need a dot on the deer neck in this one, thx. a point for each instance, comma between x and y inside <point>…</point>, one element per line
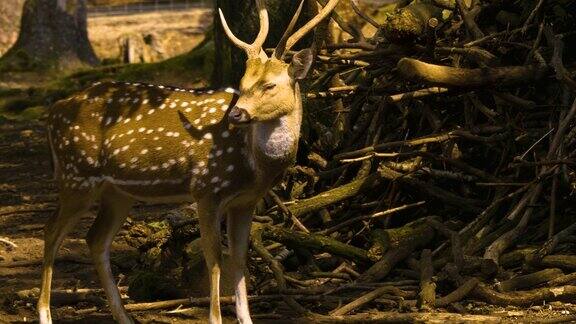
<point>276,141</point>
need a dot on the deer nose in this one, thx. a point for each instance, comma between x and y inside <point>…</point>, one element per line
<point>238,116</point>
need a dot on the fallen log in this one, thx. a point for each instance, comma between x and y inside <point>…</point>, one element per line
<point>441,75</point>
<point>421,234</point>
<point>560,261</point>
<point>524,298</point>
<point>395,317</point>
<point>529,280</point>
<point>362,300</point>
<point>458,294</point>
<point>314,241</point>
<point>563,280</point>
<point>427,294</point>
<point>335,195</point>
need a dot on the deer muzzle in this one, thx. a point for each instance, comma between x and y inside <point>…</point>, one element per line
<point>239,116</point>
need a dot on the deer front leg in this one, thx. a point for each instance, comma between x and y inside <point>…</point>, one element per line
<point>209,218</point>
<point>238,229</point>
<point>114,208</point>
<point>71,208</point>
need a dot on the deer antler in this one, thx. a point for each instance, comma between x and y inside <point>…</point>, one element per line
<point>286,44</point>
<point>280,48</point>
<point>255,49</point>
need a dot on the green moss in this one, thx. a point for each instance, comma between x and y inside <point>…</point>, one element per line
<point>21,61</point>
<point>10,92</point>
<point>31,113</point>
<point>192,66</point>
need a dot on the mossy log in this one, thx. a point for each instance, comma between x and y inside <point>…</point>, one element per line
<point>472,265</point>
<point>64,297</point>
<point>525,298</point>
<point>563,280</point>
<point>364,299</point>
<point>427,294</point>
<point>419,233</point>
<point>560,261</point>
<point>515,258</point>
<point>385,240</point>
<point>530,280</point>
<point>315,241</point>
<point>334,195</point>
<point>411,21</point>
<point>441,75</point>
<point>458,294</point>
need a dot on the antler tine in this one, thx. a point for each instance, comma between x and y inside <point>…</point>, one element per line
<point>230,35</point>
<point>254,49</point>
<point>279,50</point>
<point>264,26</point>
<point>324,12</point>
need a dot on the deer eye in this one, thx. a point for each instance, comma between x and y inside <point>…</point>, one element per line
<point>269,86</point>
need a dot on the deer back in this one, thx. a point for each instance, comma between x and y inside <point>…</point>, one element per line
<point>149,140</point>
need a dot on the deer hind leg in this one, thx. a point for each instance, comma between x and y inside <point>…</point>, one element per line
<point>71,208</point>
<point>238,228</point>
<point>112,213</point>
<point>209,218</point>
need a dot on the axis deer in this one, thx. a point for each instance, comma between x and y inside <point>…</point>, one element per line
<point>118,143</point>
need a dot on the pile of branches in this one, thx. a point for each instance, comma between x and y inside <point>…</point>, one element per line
<point>437,165</point>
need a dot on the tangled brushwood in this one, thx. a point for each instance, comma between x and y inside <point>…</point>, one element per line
<point>436,165</point>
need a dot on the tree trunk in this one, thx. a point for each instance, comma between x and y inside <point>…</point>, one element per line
<point>242,18</point>
<point>10,13</point>
<point>53,35</point>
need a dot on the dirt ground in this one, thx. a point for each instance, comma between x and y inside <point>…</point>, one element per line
<point>27,198</point>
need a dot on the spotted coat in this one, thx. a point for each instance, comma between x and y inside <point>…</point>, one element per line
<point>147,140</point>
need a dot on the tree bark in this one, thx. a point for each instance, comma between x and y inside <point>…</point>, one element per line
<point>53,35</point>
<point>10,14</point>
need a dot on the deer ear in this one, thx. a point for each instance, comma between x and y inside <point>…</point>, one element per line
<point>301,63</point>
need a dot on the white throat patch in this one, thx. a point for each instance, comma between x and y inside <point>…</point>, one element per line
<point>275,140</point>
